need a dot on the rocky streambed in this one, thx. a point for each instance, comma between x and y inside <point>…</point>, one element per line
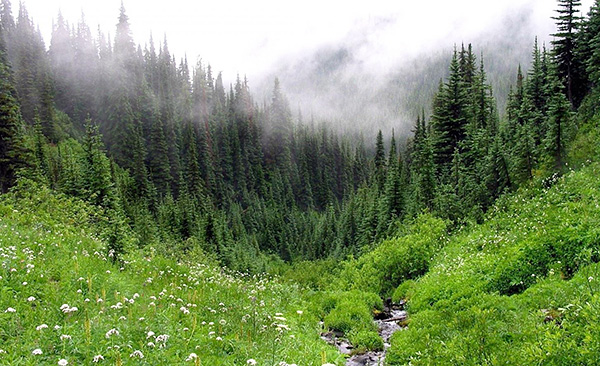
<point>388,322</point>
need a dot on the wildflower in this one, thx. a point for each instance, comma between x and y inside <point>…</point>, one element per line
<point>64,336</point>
<point>149,334</point>
<point>222,322</point>
<point>299,312</point>
<point>192,357</point>
<point>36,352</point>
<point>151,344</point>
<point>137,354</point>
<point>98,358</point>
<point>31,298</point>
<point>10,310</point>
<point>112,332</point>
<point>219,339</point>
<point>41,326</point>
<point>63,362</point>
<point>162,338</point>
<point>184,310</point>
<point>2,351</point>
<point>251,362</point>
<point>590,279</point>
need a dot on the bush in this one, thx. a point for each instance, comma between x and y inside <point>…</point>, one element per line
<point>404,291</point>
<point>397,260</point>
<point>348,316</point>
<point>365,340</point>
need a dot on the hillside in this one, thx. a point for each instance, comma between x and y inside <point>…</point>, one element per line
<point>151,215</point>
<point>63,298</point>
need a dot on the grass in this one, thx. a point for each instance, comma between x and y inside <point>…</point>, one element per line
<point>521,289</point>
<point>63,298</point>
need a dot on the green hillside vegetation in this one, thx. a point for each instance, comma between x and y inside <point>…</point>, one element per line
<point>150,216</point>
<point>63,297</point>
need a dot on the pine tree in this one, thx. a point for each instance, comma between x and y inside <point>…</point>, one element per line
<point>379,161</point>
<point>97,176</point>
<point>560,126</point>
<point>158,157</point>
<point>451,115</point>
<point>422,168</point>
<point>13,151</point>
<point>590,44</point>
<point>570,67</point>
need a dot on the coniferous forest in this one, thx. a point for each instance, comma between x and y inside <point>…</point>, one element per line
<point>179,220</point>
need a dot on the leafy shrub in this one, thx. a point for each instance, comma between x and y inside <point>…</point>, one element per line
<point>366,340</point>
<point>397,260</point>
<point>404,291</point>
<point>348,316</point>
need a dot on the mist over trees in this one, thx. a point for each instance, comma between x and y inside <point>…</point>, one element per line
<point>170,152</point>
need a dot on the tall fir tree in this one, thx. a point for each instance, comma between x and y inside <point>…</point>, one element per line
<point>570,68</point>
<point>13,150</point>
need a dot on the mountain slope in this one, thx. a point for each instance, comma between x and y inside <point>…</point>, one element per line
<point>61,297</point>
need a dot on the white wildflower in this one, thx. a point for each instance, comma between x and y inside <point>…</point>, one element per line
<point>251,362</point>
<point>63,362</point>
<point>112,332</point>
<point>98,358</point>
<point>31,298</point>
<point>136,354</point>
<point>36,352</point>
<point>192,357</point>
<point>162,338</point>
<point>10,310</point>
<point>41,326</point>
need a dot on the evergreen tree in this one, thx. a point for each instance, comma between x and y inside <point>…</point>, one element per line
<point>451,115</point>
<point>590,44</point>
<point>422,169</point>
<point>97,176</point>
<point>569,66</point>
<point>13,151</point>
<point>560,126</point>
<point>379,161</point>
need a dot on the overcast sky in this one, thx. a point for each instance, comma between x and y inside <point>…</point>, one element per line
<point>247,36</point>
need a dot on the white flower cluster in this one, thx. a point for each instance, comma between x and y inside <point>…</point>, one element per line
<point>65,308</point>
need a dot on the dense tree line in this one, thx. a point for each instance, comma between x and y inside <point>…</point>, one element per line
<point>170,152</point>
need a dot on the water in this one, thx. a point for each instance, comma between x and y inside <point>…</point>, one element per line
<point>388,325</point>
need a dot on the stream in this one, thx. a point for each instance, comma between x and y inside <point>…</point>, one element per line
<point>387,323</point>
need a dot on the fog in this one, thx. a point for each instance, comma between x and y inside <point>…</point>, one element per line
<point>372,63</point>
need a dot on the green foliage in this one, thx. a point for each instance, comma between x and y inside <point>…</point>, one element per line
<point>59,280</point>
<point>404,292</point>
<point>496,289</point>
<point>396,260</point>
<point>365,340</point>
